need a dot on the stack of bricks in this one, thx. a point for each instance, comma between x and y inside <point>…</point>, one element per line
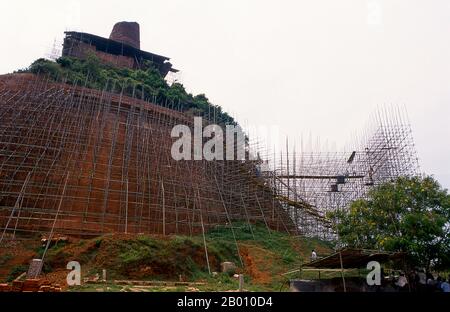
<point>5,287</point>
<point>30,285</point>
<point>17,286</point>
<point>50,288</point>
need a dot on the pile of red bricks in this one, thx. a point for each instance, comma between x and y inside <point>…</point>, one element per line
<point>5,288</point>
<point>30,285</point>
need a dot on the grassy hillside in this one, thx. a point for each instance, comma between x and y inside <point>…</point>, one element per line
<point>167,258</point>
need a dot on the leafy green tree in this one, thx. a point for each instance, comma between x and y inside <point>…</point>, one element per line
<point>45,67</point>
<point>91,67</point>
<point>411,215</point>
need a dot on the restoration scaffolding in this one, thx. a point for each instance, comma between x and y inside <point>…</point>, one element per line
<point>311,184</point>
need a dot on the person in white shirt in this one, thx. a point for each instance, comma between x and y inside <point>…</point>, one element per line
<point>402,281</point>
<point>313,255</point>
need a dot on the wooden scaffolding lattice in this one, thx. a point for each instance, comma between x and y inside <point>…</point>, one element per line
<point>122,176</point>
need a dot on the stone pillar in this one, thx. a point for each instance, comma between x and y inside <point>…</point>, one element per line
<point>35,268</point>
<point>241,282</point>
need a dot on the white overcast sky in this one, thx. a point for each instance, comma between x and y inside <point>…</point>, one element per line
<point>315,67</point>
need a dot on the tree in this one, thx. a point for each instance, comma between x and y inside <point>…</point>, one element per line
<point>411,215</point>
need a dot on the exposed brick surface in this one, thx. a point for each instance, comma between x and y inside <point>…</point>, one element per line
<point>126,32</point>
<point>82,50</point>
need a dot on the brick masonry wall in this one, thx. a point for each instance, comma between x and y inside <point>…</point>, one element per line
<point>82,50</point>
